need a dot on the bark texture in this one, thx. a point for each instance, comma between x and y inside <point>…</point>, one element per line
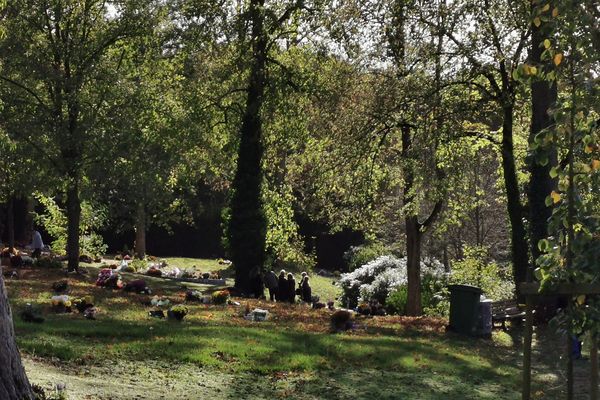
<point>543,96</point>
<point>248,226</point>
<point>73,219</point>
<point>140,231</point>
<point>519,244</point>
<point>14,384</point>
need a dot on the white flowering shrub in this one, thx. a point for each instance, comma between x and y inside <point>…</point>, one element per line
<point>376,279</point>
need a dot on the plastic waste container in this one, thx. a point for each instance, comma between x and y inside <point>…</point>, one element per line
<point>464,308</point>
<point>484,319</point>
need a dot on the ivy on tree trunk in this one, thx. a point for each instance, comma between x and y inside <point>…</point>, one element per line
<point>248,226</point>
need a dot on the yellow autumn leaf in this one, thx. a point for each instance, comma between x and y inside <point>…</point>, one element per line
<point>555,197</point>
<point>526,69</point>
<point>558,59</point>
<point>555,12</point>
<point>546,8</point>
<point>533,70</point>
<point>537,22</point>
<point>581,299</point>
<point>547,43</point>
<point>595,165</point>
<point>588,149</point>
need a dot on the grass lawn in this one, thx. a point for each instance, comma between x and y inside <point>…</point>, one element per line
<point>216,353</point>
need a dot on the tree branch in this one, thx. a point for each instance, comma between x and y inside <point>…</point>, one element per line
<point>25,88</point>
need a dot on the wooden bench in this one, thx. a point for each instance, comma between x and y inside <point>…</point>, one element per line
<point>506,310</point>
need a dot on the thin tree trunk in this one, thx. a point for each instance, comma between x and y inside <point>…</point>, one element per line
<point>10,222</point>
<point>413,266</point>
<point>140,231</point>
<point>73,219</point>
<point>30,212</point>
<point>519,246</point>
<point>594,367</point>
<point>14,384</point>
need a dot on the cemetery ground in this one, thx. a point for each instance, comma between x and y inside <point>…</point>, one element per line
<point>217,354</point>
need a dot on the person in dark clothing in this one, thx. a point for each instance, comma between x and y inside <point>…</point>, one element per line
<point>291,285</point>
<point>272,284</point>
<point>282,288</point>
<point>306,291</point>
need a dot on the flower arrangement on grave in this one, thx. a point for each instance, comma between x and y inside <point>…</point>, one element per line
<point>193,295</point>
<point>177,312</point>
<point>152,271</point>
<point>220,297</point>
<point>61,304</point>
<point>82,304</point>
<point>160,301</point>
<point>108,278</point>
<point>364,309</point>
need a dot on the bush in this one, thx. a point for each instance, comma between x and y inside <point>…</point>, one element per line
<point>434,297</point>
<point>376,279</point>
<point>357,256</point>
<point>54,221</point>
<point>474,269</point>
<point>138,265</point>
<point>396,301</point>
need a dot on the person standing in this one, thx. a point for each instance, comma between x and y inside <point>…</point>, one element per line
<point>291,288</point>
<point>282,288</point>
<point>306,291</point>
<point>36,244</point>
<point>272,284</point>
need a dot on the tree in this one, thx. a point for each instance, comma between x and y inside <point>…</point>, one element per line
<point>56,55</point>
<point>544,94</point>
<point>14,384</point>
<point>491,36</point>
<point>247,225</point>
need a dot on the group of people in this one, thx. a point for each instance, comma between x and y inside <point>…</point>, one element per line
<point>283,288</point>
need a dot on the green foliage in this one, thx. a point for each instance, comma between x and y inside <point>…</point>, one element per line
<point>357,256</point>
<point>397,300</point>
<point>571,251</point>
<point>434,297</point>
<point>139,265</point>
<point>54,221</point>
<point>475,269</point>
<point>285,247</point>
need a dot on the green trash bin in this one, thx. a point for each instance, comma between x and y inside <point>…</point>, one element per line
<point>464,308</point>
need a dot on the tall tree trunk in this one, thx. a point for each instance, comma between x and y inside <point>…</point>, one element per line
<point>140,231</point>
<point>73,219</point>
<point>30,208</point>
<point>248,226</point>
<point>543,96</point>
<point>14,384</point>
<point>413,266</point>
<point>520,258</point>
<point>10,222</point>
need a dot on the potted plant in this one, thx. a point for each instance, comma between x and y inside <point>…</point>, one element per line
<point>177,312</point>
<point>220,297</point>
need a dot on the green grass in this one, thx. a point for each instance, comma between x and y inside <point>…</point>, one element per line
<point>199,264</point>
<point>289,356</point>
